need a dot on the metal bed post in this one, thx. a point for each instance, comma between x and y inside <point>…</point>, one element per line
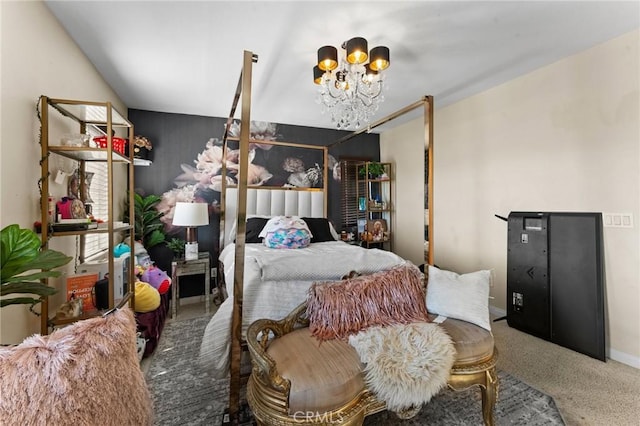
<point>238,280</point>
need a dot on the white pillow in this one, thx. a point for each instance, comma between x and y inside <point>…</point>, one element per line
<point>464,297</point>
<point>333,231</point>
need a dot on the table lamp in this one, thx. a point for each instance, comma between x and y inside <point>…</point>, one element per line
<point>191,215</point>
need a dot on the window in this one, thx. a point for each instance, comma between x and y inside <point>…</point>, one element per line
<point>97,196</point>
<point>96,179</point>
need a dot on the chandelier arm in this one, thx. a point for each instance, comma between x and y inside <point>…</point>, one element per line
<point>368,94</point>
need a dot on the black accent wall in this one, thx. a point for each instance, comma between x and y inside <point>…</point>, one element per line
<point>178,139</point>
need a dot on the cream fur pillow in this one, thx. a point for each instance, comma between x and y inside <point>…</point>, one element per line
<point>84,374</point>
<point>464,297</point>
<point>405,365</point>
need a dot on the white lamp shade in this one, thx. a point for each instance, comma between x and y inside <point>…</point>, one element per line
<point>191,214</point>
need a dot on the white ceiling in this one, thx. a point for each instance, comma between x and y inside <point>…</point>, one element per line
<point>186,57</point>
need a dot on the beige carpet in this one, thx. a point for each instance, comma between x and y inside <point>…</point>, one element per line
<point>587,391</point>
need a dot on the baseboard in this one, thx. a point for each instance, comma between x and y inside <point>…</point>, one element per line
<point>625,358</point>
<point>622,357</point>
<point>191,300</point>
<point>497,312</point>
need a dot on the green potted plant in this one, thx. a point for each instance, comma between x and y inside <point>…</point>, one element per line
<point>149,229</point>
<point>177,246</point>
<point>374,169</point>
<point>23,264</point>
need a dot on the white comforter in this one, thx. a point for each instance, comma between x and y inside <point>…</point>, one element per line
<point>275,282</point>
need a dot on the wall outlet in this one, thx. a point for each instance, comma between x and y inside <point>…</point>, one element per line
<point>617,220</point>
<point>214,273</point>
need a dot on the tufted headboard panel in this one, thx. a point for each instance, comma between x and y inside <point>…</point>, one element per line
<point>272,202</point>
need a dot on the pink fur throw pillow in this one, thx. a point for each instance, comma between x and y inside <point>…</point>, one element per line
<point>341,308</point>
<point>86,373</point>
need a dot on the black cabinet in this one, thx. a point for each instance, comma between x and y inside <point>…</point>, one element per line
<point>555,278</point>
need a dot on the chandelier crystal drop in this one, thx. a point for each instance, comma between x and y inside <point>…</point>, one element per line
<point>349,88</point>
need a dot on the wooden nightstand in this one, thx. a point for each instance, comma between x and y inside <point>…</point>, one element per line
<point>181,267</point>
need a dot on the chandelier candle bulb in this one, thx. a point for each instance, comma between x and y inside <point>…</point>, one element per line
<point>357,50</point>
<point>317,75</point>
<point>327,58</point>
<point>379,58</point>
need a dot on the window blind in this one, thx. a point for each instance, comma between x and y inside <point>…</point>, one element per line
<point>97,179</point>
<point>97,171</point>
<point>349,194</point>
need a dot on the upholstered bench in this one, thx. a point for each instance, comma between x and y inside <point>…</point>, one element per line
<point>298,380</point>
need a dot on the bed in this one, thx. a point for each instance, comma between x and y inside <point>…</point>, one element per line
<point>251,298</point>
<point>275,282</point>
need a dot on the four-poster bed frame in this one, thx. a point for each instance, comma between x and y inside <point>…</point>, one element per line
<point>243,92</point>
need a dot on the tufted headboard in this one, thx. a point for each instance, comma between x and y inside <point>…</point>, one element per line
<point>273,202</point>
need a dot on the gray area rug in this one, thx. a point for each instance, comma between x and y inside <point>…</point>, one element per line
<point>185,395</point>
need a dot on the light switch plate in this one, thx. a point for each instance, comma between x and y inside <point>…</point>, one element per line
<point>617,220</point>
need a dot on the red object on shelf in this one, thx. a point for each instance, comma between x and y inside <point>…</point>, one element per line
<point>118,143</point>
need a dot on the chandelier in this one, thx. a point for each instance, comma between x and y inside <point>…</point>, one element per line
<point>350,89</point>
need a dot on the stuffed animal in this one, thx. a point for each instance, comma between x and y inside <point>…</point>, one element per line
<point>138,270</point>
<point>141,255</point>
<point>70,309</point>
<point>147,297</point>
<point>121,249</point>
<point>157,278</point>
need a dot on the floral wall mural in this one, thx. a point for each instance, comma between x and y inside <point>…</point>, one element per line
<point>269,165</point>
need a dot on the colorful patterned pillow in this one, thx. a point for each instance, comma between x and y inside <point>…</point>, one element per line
<point>286,232</point>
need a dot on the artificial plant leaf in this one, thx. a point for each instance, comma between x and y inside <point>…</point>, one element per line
<point>33,277</point>
<point>27,287</point>
<point>45,259</point>
<point>19,301</point>
<point>155,238</point>
<point>19,246</point>
<point>24,264</point>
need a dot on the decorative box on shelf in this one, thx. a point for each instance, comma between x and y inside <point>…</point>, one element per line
<point>118,143</point>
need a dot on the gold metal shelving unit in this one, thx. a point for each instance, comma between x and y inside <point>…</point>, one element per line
<point>374,199</point>
<point>84,113</point>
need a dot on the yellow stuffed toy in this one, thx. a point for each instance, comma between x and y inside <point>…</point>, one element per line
<point>147,297</point>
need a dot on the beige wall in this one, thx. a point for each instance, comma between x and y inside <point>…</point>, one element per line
<point>404,147</point>
<point>563,138</point>
<point>38,58</point>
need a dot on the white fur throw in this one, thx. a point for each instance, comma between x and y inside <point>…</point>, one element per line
<point>84,374</point>
<point>405,364</point>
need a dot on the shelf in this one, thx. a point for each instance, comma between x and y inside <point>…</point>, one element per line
<point>56,322</point>
<point>386,240</point>
<point>105,118</point>
<point>377,180</point>
<point>90,231</point>
<point>141,162</point>
<point>90,112</point>
<point>376,210</point>
<point>87,154</point>
<point>368,191</point>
